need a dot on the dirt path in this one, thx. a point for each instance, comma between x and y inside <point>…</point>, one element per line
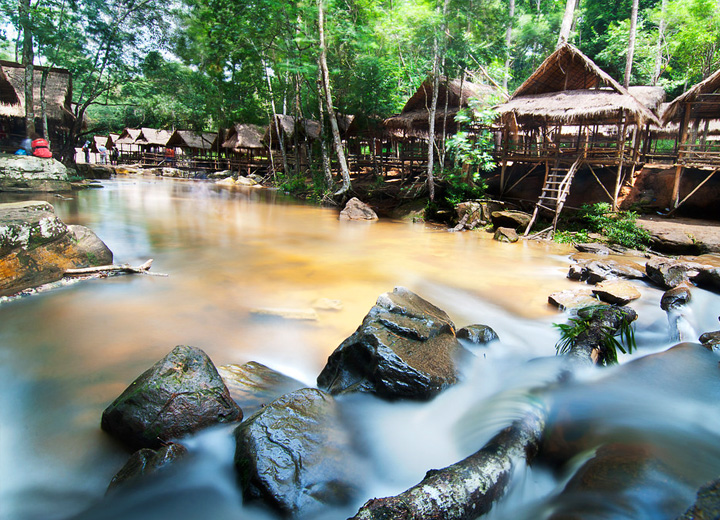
<point>682,235</point>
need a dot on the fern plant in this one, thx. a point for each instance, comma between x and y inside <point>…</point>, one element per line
<point>609,344</point>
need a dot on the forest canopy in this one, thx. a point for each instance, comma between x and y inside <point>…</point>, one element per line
<point>202,64</point>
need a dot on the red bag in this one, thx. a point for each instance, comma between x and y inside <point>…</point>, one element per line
<point>41,148</point>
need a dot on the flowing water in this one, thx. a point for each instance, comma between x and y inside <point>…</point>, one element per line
<point>66,354</point>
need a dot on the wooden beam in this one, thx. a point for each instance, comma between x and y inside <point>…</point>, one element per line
<point>695,190</point>
<point>679,167</point>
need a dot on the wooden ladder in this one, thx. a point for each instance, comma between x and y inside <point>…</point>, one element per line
<point>556,187</point>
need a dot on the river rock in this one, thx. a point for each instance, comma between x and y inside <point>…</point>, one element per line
<point>245,181</point>
<point>511,219</point>
<point>616,292</point>
<point>709,279</point>
<point>147,461</point>
<point>707,503</point>
<point>355,209</point>
<point>95,171</point>
<point>296,455</point>
<point>477,334</point>
<point>675,297</point>
<point>504,234</point>
<point>254,385</point>
<point>668,273</point>
<point>594,248</point>
<point>470,214</point>
<point>404,348</point>
<point>596,271</point>
<point>36,247</point>
<point>710,339</point>
<point>181,394</point>
<point>573,299</point>
<point>227,181</point>
<point>29,173</point>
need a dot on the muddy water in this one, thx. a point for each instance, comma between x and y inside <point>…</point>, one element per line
<point>66,354</point>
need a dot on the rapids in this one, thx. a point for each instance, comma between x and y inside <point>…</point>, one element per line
<point>66,354</point>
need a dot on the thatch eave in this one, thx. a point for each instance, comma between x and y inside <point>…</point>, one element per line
<point>707,86</point>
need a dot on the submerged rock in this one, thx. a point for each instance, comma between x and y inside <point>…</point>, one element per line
<point>181,394</point>
<point>254,385</point>
<point>596,271</point>
<point>477,334</point>
<point>36,247</point>
<point>355,209</point>
<point>503,234</point>
<point>296,455</point>
<point>308,314</point>
<point>405,348</point>
<point>147,461</point>
<point>616,292</point>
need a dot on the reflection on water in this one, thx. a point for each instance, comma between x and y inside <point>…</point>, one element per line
<point>66,354</point>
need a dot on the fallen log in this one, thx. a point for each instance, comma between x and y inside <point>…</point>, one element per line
<point>113,268</point>
<point>468,489</point>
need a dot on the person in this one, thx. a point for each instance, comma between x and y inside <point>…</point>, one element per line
<point>26,144</point>
<point>170,156</point>
<point>86,151</point>
<point>103,154</point>
<point>40,147</point>
<point>114,155</point>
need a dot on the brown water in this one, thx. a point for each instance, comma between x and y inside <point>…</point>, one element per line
<point>65,355</point>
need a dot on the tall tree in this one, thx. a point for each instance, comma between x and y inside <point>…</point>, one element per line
<point>567,22</point>
<point>345,173</point>
<point>28,58</point>
<point>631,43</point>
<point>508,42</point>
<point>662,24</point>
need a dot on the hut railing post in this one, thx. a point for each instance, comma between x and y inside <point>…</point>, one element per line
<point>680,154</point>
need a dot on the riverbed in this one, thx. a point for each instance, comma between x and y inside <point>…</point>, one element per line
<point>66,354</point>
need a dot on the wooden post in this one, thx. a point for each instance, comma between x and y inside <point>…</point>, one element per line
<point>621,159</point>
<point>679,166</point>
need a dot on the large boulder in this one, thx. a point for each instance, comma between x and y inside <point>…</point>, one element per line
<point>254,385</point>
<point>36,247</point>
<point>296,455</point>
<point>617,292</point>
<point>355,209</point>
<point>405,348</point>
<point>95,171</point>
<point>667,273</point>
<point>29,173</point>
<point>181,394</point>
<point>511,219</point>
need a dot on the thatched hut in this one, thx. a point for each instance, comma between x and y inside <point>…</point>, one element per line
<point>58,96</point>
<point>696,113</point>
<point>291,129</point>
<point>245,149</point>
<point>128,150</point>
<point>152,143</point>
<point>414,119</point>
<point>198,150</point>
<point>605,120</point>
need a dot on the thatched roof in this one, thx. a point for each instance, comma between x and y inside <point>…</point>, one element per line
<point>569,88</point>
<point>58,92</point>
<point>651,96</point>
<point>128,136</point>
<point>414,118</point>
<point>112,138</point>
<point>194,140</point>
<point>152,137</point>
<point>709,85</point>
<point>306,128</point>
<point>97,141</point>
<point>244,137</point>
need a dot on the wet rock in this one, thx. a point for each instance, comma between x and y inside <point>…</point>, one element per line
<point>596,271</point>
<point>404,348</point>
<point>511,219</point>
<point>708,279</point>
<point>296,455</point>
<point>254,385</point>
<point>227,181</point>
<point>667,273</point>
<point>707,504</point>
<point>616,292</point>
<point>619,469</point>
<point>147,461</point>
<point>673,242</point>
<point>603,322</point>
<point>503,234</point>
<point>28,167</point>
<point>181,394</point>
<point>573,299</point>
<point>95,171</point>
<point>594,248</point>
<point>308,314</point>
<point>245,181</point>
<point>675,297</point>
<point>469,215</point>
<point>224,174</point>
<point>477,334</point>
<point>710,339</point>
<point>36,247</point>
<point>355,209</point>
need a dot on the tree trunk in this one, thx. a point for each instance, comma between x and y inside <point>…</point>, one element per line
<point>567,22</point>
<point>43,103</point>
<point>508,42</point>
<point>329,105</point>
<point>631,43</point>
<point>661,36</point>
<point>327,170</point>
<point>275,122</point>
<point>28,58</point>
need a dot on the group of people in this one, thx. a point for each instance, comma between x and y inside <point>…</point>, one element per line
<point>35,145</point>
<point>102,151</point>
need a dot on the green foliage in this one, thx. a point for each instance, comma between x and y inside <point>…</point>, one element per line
<point>609,343</point>
<point>458,188</point>
<point>617,227</point>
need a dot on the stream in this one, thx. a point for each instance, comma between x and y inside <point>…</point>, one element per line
<point>66,354</point>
